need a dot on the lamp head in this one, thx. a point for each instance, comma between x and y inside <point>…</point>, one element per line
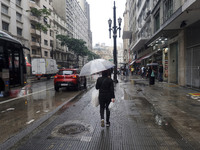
<point>119,21</point>
<point>110,22</point>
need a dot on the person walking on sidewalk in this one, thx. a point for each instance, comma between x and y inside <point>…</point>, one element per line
<point>106,95</point>
<point>160,73</point>
<point>151,75</point>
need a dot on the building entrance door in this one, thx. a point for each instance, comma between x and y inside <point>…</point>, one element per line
<point>193,67</point>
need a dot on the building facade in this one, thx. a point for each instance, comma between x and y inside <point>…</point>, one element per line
<point>168,34</point>
<point>69,19</point>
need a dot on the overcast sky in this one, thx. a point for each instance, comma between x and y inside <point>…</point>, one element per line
<point>100,12</point>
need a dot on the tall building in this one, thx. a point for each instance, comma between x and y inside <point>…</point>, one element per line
<point>76,15</point>
<point>72,12</point>
<point>167,33</point>
<point>86,8</point>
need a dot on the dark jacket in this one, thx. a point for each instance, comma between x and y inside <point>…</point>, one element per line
<point>106,88</point>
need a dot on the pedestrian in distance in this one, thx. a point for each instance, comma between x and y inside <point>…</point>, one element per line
<point>142,72</point>
<point>132,70</point>
<point>106,95</point>
<point>151,74</point>
<point>161,73</point>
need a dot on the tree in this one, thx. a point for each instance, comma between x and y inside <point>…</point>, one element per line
<point>40,14</point>
<point>77,46</point>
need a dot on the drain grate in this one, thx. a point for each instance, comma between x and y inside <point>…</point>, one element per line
<point>72,129</point>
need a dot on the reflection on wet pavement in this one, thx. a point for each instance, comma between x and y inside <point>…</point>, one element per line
<point>41,98</point>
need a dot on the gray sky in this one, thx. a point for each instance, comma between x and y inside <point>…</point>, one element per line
<point>100,12</point>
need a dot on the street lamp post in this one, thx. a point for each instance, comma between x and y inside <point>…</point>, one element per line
<point>114,29</point>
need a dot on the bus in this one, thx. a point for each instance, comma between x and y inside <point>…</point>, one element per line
<point>12,63</point>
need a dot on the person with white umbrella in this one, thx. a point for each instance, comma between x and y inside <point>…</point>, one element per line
<point>106,95</point>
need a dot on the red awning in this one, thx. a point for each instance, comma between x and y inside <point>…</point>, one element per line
<point>140,59</point>
<point>132,62</point>
<point>145,56</point>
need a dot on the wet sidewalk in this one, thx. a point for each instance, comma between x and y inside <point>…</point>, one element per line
<point>163,116</point>
<point>172,104</point>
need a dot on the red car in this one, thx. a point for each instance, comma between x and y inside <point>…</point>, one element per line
<point>69,78</point>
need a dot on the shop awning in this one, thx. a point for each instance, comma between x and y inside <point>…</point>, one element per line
<point>140,59</point>
<point>149,55</point>
<point>132,62</point>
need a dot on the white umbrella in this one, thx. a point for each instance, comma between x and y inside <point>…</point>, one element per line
<point>96,65</point>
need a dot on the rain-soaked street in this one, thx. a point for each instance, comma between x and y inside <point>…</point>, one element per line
<point>163,116</point>
<point>28,104</point>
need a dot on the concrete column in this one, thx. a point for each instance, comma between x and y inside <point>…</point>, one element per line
<point>173,63</point>
<point>182,59</point>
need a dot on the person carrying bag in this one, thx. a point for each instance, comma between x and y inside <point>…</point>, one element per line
<point>106,95</point>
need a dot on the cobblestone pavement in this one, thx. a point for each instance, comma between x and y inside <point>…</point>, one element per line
<point>163,116</point>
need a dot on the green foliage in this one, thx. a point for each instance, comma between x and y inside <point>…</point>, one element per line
<point>40,13</point>
<point>77,46</point>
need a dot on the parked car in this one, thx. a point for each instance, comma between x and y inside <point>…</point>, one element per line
<point>69,78</point>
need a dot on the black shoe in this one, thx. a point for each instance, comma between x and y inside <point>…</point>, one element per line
<point>108,124</point>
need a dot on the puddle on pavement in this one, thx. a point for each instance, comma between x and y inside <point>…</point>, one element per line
<point>142,102</point>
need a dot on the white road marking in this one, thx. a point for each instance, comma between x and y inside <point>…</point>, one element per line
<point>9,100</point>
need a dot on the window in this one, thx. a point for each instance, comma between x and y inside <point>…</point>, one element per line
<point>5,26</point>
<point>66,72</point>
<point>51,33</point>
<point>32,26</point>
<point>157,21</point>
<point>51,43</point>
<point>33,39</point>
<point>45,32</point>
<point>18,2</point>
<point>45,20</point>
<point>46,53</point>
<point>18,16</point>
<point>168,9</point>
<point>45,42</point>
<point>4,9</point>
<point>33,51</point>
<point>19,31</point>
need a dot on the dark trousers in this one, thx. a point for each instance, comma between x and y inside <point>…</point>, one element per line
<point>152,80</point>
<point>104,105</point>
